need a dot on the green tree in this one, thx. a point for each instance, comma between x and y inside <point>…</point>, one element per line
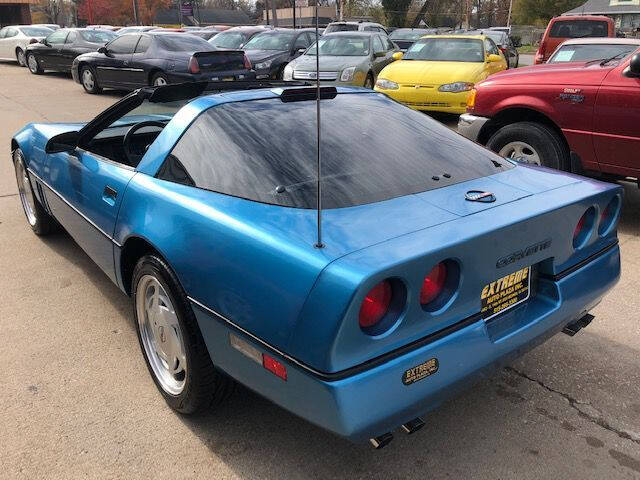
<point>528,12</point>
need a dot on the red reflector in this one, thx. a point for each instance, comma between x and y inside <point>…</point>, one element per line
<point>194,66</point>
<point>274,366</point>
<point>375,304</point>
<point>433,284</point>
<point>247,63</point>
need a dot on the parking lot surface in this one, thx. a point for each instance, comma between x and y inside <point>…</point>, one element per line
<point>77,401</point>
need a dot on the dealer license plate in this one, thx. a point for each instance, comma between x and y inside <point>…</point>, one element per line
<point>505,293</point>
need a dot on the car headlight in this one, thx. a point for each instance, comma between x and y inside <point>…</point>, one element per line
<point>385,84</point>
<point>288,73</point>
<point>347,74</point>
<point>263,65</point>
<point>456,87</point>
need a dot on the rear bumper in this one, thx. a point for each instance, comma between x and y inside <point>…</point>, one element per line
<point>373,400</point>
<point>179,77</point>
<point>469,126</point>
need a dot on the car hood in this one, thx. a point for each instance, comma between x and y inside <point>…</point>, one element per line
<point>257,56</point>
<point>333,64</point>
<point>575,73</point>
<point>427,72</point>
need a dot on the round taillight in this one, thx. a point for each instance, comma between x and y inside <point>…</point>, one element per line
<point>583,228</point>
<point>375,305</point>
<point>433,284</point>
<point>608,216</point>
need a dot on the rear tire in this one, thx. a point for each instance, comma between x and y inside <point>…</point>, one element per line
<point>159,79</point>
<point>39,220</point>
<point>20,57</point>
<point>89,80</point>
<point>533,142</point>
<point>33,65</point>
<point>171,342</point>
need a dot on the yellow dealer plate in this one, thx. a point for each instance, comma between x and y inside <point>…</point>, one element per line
<point>505,293</point>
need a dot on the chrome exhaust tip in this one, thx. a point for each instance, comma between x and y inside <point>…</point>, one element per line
<point>413,425</point>
<point>381,441</point>
<point>574,327</point>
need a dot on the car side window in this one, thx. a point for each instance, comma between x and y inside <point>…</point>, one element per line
<point>301,42</point>
<point>123,45</point>
<point>71,38</point>
<point>143,44</point>
<point>3,32</point>
<point>390,45</point>
<point>377,45</point>
<point>490,47</point>
<point>57,38</point>
<point>11,32</point>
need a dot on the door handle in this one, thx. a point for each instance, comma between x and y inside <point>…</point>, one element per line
<point>109,195</point>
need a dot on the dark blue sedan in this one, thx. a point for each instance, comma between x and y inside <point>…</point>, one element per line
<point>439,259</point>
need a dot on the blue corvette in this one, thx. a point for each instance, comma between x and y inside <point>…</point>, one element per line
<point>439,260</point>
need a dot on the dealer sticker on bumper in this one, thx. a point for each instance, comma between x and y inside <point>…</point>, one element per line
<point>506,293</point>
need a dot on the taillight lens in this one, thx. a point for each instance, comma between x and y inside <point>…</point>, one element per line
<point>433,284</point>
<point>583,227</point>
<point>375,305</point>
<point>578,230</point>
<point>247,63</point>
<point>194,66</point>
<point>608,216</point>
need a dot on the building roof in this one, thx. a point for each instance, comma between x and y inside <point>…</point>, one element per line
<point>171,16</point>
<point>605,7</point>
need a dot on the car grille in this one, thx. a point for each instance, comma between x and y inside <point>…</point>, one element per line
<point>298,75</point>
<point>428,104</point>
<point>412,85</point>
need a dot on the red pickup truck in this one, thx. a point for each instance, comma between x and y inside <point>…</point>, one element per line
<point>572,116</point>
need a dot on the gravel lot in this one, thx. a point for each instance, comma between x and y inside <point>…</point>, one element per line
<point>77,401</point>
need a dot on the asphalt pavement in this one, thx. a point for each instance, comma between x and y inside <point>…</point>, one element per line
<point>76,400</point>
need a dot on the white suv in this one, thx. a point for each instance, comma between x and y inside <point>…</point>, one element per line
<point>355,26</point>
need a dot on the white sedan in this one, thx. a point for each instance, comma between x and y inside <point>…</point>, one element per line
<point>15,38</point>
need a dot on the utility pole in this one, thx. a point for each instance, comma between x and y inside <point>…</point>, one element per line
<point>274,13</point>
<point>266,9</point>
<point>294,13</point>
<point>509,15</point>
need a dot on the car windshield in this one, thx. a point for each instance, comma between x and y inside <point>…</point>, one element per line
<point>579,29</point>
<point>341,46</point>
<point>585,53</point>
<point>159,111</point>
<point>406,34</point>
<point>182,43</point>
<point>446,50</point>
<point>265,150</point>
<point>97,36</point>
<point>229,40</point>
<point>36,31</point>
<point>341,27</point>
<point>270,41</point>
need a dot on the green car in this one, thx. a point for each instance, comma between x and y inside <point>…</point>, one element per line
<point>346,58</point>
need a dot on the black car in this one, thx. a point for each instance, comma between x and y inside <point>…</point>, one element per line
<point>58,50</point>
<point>405,37</point>
<point>234,38</point>
<point>271,50</point>
<point>134,60</point>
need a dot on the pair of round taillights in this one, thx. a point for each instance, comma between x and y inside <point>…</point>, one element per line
<point>585,225</point>
<point>382,305</point>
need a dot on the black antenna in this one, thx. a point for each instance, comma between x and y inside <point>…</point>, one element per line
<point>319,243</point>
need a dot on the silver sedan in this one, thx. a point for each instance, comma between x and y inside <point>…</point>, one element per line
<point>15,38</point>
<point>346,58</point>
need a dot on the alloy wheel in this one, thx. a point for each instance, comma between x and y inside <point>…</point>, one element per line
<point>161,335</point>
<point>32,63</point>
<point>521,151</point>
<point>87,79</point>
<point>24,190</point>
<point>21,58</point>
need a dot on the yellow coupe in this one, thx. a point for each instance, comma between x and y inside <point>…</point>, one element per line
<point>438,71</point>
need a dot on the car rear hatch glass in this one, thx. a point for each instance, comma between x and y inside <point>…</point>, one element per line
<point>220,60</point>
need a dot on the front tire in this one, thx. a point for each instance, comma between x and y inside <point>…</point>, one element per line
<point>368,82</point>
<point>530,142</point>
<point>39,220</point>
<point>32,63</point>
<point>20,57</point>
<point>171,342</point>
<point>89,80</point>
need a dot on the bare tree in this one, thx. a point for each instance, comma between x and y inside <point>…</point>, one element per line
<point>51,9</point>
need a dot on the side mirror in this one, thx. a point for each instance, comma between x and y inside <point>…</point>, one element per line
<point>397,55</point>
<point>633,70</point>
<point>44,42</point>
<point>104,51</point>
<point>63,142</point>
<point>494,58</point>
<point>378,54</point>
<point>300,51</point>
<point>517,41</point>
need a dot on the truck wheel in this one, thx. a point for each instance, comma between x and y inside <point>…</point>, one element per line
<point>530,142</point>
<point>171,342</point>
<point>39,220</point>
